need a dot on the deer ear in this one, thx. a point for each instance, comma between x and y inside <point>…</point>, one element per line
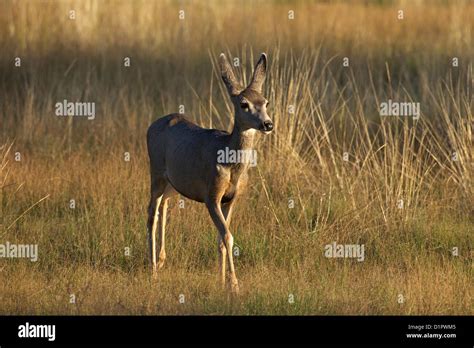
<point>259,74</point>
<point>228,76</point>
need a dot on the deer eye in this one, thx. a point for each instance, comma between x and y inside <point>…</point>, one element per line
<point>244,106</point>
<point>266,105</point>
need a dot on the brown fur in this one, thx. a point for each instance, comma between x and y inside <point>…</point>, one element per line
<point>183,159</point>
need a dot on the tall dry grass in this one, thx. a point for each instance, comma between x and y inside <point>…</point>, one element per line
<point>281,249</point>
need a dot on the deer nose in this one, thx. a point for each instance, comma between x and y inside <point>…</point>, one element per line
<point>267,126</point>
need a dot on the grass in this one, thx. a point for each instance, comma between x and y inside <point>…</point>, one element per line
<point>281,249</point>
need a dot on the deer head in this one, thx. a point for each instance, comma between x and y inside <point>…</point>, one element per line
<point>249,103</point>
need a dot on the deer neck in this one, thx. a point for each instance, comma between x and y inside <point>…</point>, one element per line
<point>241,139</point>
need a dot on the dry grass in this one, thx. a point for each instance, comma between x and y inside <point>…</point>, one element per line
<point>408,251</point>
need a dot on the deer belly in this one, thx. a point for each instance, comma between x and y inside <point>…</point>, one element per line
<point>188,193</point>
<point>186,187</point>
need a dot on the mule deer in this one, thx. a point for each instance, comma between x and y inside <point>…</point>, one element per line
<point>183,159</point>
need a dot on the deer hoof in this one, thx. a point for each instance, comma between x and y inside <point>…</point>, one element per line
<point>161,260</point>
<point>154,273</point>
<point>235,288</point>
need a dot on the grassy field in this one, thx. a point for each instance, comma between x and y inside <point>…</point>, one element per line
<point>333,170</point>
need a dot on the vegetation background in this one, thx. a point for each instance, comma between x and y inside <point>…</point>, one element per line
<point>409,265</point>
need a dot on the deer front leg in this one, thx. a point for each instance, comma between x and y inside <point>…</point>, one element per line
<point>222,258</point>
<point>227,212</point>
<point>227,239</point>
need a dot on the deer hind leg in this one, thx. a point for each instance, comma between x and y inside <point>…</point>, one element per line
<point>228,241</point>
<point>157,190</point>
<point>169,191</point>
